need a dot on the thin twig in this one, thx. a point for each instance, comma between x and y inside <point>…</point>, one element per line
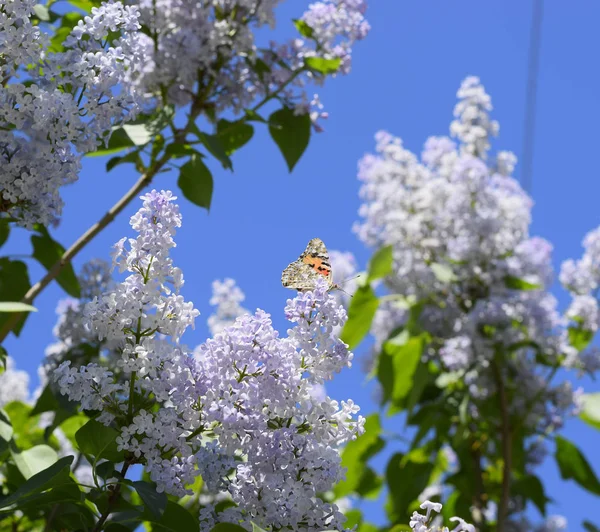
<point>112,498</point>
<point>506,437</point>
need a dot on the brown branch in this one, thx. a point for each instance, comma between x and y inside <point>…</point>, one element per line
<point>479,501</point>
<point>506,438</point>
<point>112,499</point>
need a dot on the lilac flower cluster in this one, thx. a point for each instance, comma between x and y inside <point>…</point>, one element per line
<point>211,44</point>
<point>71,331</point>
<point>227,297</point>
<point>459,230</point>
<point>56,105</point>
<point>241,412</point>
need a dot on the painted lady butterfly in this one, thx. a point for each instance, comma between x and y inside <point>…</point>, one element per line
<point>303,273</point>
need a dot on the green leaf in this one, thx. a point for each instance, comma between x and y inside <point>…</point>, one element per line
<point>253,116</point>
<point>214,146</point>
<point>291,132</point>
<point>361,312</point>
<point>132,157</point>
<point>16,306</point>
<point>14,283</point>
<point>573,464</point>
<point>590,527</point>
<point>32,461</point>
<point>531,488</point>
<point>230,527</point>
<point>48,252</point>
<point>514,283</point>
<point>323,66</point>
<point>403,361</point>
<point>233,135</point>
<point>256,528</point>
<point>175,519</point>
<point>380,264</point>
<point>97,440</point>
<point>196,182</point>
<point>6,430</point>
<point>356,454</point>
<point>580,338</point>
<point>4,230</point>
<point>119,141</point>
<point>443,273</point>
<point>590,410</point>
<point>41,12</point>
<point>402,492</point>
<point>139,134</point>
<point>54,477</point>
<point>85,5</point>
<point>154,502</point>
<point>304,29</point>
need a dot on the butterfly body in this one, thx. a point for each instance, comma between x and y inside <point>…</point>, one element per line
<point>312,265</point>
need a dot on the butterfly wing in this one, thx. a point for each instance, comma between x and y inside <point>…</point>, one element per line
<point>313,264</point>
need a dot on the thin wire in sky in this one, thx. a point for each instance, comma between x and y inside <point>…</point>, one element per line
<point>531,94</point>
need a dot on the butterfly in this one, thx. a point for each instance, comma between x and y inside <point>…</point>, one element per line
<point>313,264</point>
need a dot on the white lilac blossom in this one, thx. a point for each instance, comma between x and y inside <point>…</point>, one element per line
<point>459,230</point>
<point>429,522</point>
<point>241,412</point>
<point>344,268</point>
<point>56,105</point>
<point>73,338</point>
<point>14,384</point>
<point>458,224</point>
<point>227,297</point>
<point>194,45</point>
<point>582,279</point>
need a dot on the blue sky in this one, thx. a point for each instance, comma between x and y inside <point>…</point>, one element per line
<point>404,79</point>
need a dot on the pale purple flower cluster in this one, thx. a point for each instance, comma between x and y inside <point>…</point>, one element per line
<point>459,230</point>
<point>56,105</point>
<point>74,339</point>
<point>241,412</point>
<point>258,391</point>
<point>211,43</point>
<point>227,297</point>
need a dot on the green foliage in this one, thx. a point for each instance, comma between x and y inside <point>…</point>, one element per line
<point>304,29</point>
<point>580,338</point>
<point>233,135</point>
<point>443,273</point>
<point>514,283</point>
<point>380,264</point>
<point>291,132</point>
<point>48,252</point>
<point>154,502</point>
<point>590,410</point>
<point>359,476</point>
<point>590,527</point>
<point>55,481</point>
<point>573,465</point>
<point>196,182</point>
<point>322,65</point>
<point>416,466</point>
<point>31,461</point>
<point>531,488</point>
<point>397,365</point>
<point>15,306</point>
<point>4,230</point>
<point>97,440</point>
<point>14,283</point>
<point>363,306</point>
